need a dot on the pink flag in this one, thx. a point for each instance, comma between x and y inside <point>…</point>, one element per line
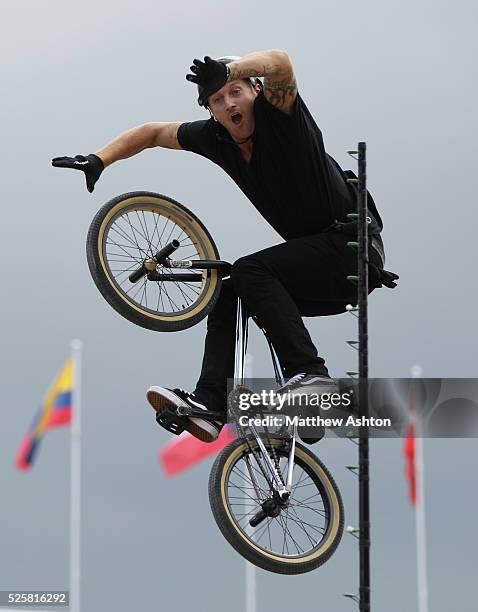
<point>185,451</point>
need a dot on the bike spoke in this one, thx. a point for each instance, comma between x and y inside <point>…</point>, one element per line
<point>300,480</point>
<point>301,522</point>
<point>246,476</point>
<point>160,242</point>
<point>312,542</point>
<point>310,497</point>
<point>137,259</point>
<point>168,239</point>
<point>135,230</point>
<point>319,512</point>
<point>144,226</point>
<point>264,530</point>
<point>300,550</point>
<point>156,217</point>
<point>116,227</point>
<point>246,494</point>
<point>133,237</point>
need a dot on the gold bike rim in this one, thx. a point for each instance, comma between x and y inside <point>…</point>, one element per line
<point>325,544</point>
<point>191,228</point>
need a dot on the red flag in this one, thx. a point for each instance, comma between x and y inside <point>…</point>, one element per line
<point>185,451</point>
<point>409,452</point>
<point>410,466</point>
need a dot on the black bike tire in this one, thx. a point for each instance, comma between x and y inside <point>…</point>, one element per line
<point>277,565</point>
<point>114,298</point>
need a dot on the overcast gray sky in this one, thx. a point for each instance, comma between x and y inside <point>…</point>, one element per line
<point>400,75</point>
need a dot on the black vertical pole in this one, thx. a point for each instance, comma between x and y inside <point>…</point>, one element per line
<point>364,497</point>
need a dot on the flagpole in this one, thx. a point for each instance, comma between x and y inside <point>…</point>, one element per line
<point>75,480</point>
<point>251,587</point>
<point>420,522</point>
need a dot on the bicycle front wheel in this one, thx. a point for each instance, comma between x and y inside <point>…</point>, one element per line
<point>290,538</point>
<point>128,231</point>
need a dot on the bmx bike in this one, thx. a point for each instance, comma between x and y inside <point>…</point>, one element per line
<point>274,501</point>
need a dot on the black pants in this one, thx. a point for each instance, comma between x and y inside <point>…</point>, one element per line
<point>302,277</point>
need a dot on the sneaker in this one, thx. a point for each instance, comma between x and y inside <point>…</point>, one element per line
<point>308,384</point>
<point>160,397</point>
<point>305,386</point>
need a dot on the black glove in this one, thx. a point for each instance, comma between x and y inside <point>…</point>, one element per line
<point>378,277</point>
<point>210,74</point>
<point>388,278</point>
<point>91,165</point>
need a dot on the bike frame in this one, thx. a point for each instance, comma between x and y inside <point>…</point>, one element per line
<point>148,268</point>
<point>242,334</point>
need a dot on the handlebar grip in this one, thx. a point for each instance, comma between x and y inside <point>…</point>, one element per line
<point>137,274</point>
<point>166,251</point>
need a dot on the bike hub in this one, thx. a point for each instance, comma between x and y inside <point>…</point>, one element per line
<point>270,508</point>
<point>150,265</point>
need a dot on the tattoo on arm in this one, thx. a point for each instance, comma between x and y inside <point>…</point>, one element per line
<point>267,70</point>
<point>280,86</point>
<point>281,93</point>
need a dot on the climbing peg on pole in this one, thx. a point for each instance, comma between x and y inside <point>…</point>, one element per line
<point>352,596</point>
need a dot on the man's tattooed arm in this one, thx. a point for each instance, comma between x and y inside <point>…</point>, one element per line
<point>237,72</point>
<point>280,87</point>
<point>283,93</point>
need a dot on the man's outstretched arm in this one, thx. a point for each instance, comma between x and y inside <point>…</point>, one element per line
<point>280,86</point>
<point>139,138</point>
<point>125,145</point>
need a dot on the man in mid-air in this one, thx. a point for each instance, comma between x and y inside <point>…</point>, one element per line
<point>263,135</point>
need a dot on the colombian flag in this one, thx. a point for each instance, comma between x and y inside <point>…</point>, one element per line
<point>55,412</point>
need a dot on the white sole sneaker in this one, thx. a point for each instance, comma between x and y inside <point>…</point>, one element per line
<point>203,430</point>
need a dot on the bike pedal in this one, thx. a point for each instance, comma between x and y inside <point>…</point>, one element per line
<point>169,419</point>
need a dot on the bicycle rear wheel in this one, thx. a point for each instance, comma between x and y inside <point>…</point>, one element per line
<point>127,231</point>
<point>295,537</point>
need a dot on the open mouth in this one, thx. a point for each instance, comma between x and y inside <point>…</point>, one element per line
<point>236,118</point>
